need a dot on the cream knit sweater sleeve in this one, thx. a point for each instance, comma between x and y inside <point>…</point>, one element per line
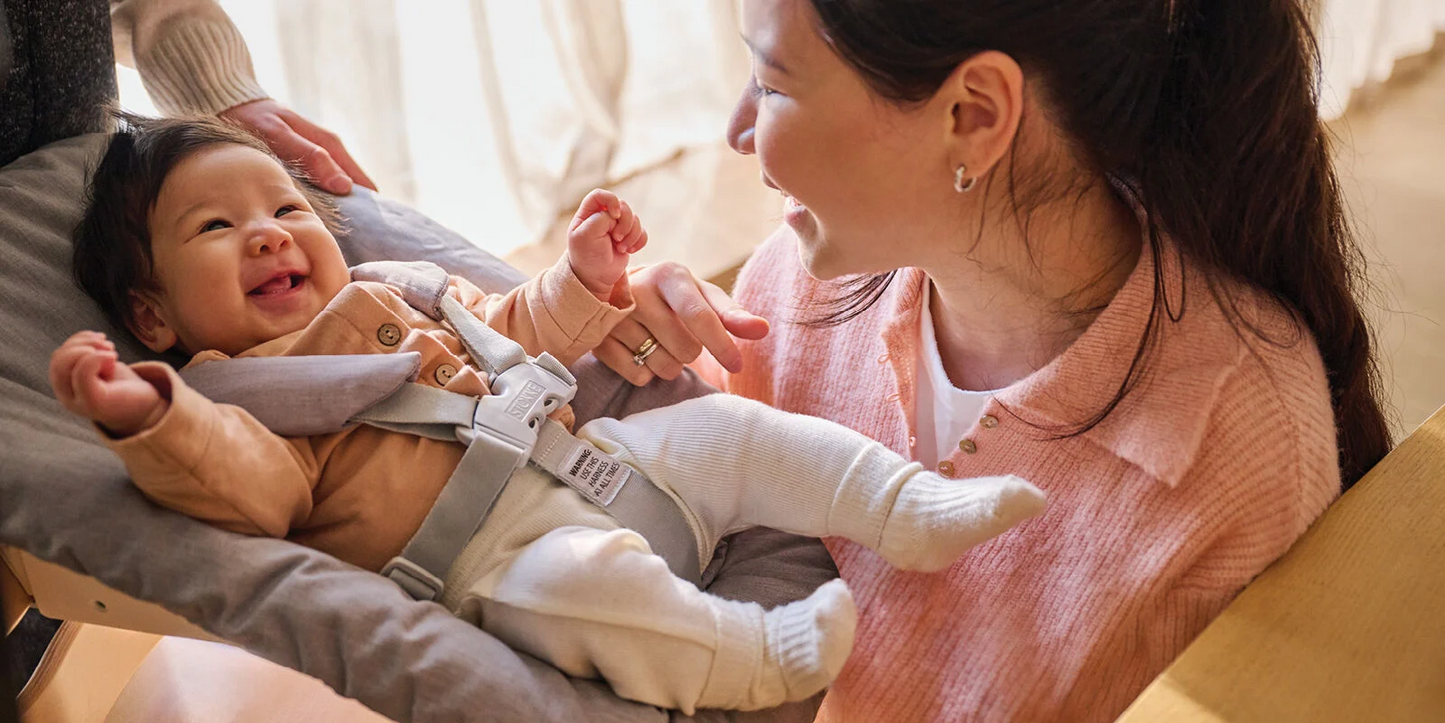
<point>192,59</point>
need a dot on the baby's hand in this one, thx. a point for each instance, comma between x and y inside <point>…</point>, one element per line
<point>601,238</point>
<point>89,379</point>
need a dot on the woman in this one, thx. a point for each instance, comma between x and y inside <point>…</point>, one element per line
<point>1099,245</point>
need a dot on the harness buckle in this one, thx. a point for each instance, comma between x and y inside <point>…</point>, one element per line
<point>413,579</point>
<point>521,398</point>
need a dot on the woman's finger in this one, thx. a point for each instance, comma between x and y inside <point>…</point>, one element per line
<point>618,358</point>
<point>313,159</point>
<point>654,317</point>
<point>331,143</point>
<point>738,321</point>
<point>662,362</point>
<point>683,294</point>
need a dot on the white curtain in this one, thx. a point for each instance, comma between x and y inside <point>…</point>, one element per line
<point>496,116</point>
<point>1360,40</point>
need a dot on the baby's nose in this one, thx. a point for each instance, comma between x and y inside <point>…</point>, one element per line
<point>268,239</point>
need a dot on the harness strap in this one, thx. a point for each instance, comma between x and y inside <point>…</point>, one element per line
<point>299,396</point>
<point>474,487</point>
<point>635,501</point>
<point>463,505</point>
<point>296,396</point>
<point>490,350</point>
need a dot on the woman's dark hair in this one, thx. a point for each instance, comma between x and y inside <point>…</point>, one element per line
<point>112,255</point>
<point>1208,109</point>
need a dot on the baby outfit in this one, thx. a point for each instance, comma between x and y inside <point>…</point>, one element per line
<point>548,572</point>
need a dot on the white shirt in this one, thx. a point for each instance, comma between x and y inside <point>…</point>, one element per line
<point>944,412</point>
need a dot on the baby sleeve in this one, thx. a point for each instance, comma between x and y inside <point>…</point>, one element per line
<point>551,312</point>
<point>217,463</point>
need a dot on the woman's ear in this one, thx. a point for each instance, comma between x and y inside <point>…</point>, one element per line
<point>985,100</point>
<point>149,325</point>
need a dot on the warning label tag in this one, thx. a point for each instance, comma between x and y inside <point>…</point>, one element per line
<point>594,474</point>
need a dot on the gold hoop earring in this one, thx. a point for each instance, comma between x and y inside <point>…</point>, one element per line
<point>958,184</point>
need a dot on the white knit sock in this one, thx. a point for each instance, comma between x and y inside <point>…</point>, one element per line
<point>935,520</point>
<point>804,646</point>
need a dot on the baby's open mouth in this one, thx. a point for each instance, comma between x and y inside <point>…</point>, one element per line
<point>278,285</point>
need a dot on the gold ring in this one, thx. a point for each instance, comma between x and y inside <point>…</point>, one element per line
<point>644,351</point>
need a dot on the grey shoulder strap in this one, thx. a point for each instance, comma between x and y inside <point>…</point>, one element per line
<point>297,396</point>
<point>422,284</point>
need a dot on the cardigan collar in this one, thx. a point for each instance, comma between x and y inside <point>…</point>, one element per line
<point>1159,425</point>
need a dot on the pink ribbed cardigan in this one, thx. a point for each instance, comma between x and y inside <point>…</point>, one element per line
<point>1204,475</point>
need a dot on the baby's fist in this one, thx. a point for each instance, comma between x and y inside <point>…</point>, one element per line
<point>89,380</point>
<point>601,238</point>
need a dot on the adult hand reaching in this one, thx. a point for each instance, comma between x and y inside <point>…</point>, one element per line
<point>683,315</point>
<point>295,139</point>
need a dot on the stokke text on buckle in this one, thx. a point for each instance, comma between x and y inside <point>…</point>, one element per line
<point>521,398</point>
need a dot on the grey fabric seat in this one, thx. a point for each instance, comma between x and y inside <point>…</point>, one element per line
<point>66,499</point>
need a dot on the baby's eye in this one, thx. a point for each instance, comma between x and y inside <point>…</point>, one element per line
<point>214,224</point>
<point>286,209</point>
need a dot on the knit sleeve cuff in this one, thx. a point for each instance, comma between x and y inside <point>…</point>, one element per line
<point>576,310</point>
<point>177,441</point>
<point>199,67</point>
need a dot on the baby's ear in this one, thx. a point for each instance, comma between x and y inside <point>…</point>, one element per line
<point>148,325</point>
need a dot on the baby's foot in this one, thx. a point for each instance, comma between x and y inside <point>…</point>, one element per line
<point>793,652</point>
<point>810,639</point>
<point>935,519</point>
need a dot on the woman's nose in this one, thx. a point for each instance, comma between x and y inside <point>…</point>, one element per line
<point>267,237</point>
<point>740,124</point>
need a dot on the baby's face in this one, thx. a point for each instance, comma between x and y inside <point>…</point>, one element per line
<point>241,256</point>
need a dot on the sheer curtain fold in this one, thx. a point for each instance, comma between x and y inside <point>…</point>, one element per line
<point>497,116</point>
<point>1360,41</point>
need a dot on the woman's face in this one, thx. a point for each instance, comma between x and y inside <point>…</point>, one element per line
<point>865,179</point>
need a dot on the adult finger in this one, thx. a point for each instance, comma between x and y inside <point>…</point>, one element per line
<point>684,295</point>
<point>313,159</point>
<point>331,143</point>
<point>655,317</point>
<point>618,358</point>
<point>739,322</point>
<point>662,362</point>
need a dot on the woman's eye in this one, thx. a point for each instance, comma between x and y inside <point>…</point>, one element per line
<point>214,224</point>
<point>285,210</point>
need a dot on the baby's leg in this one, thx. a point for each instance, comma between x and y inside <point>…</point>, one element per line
<point>737,463</point>
<point>598,603</point>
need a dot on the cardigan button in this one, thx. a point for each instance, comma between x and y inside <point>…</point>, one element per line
<point>945,468</point>
<point>988,422</point>
<point>388,335</point>
<point>968,446</point>
<point>444,374</point>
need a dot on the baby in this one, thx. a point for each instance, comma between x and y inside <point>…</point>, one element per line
<point>198,240</point>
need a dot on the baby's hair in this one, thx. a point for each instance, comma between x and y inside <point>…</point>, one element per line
<point>112,255</point>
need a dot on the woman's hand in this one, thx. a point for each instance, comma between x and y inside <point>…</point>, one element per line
<point>683,315</point>
<point>297,140</point>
